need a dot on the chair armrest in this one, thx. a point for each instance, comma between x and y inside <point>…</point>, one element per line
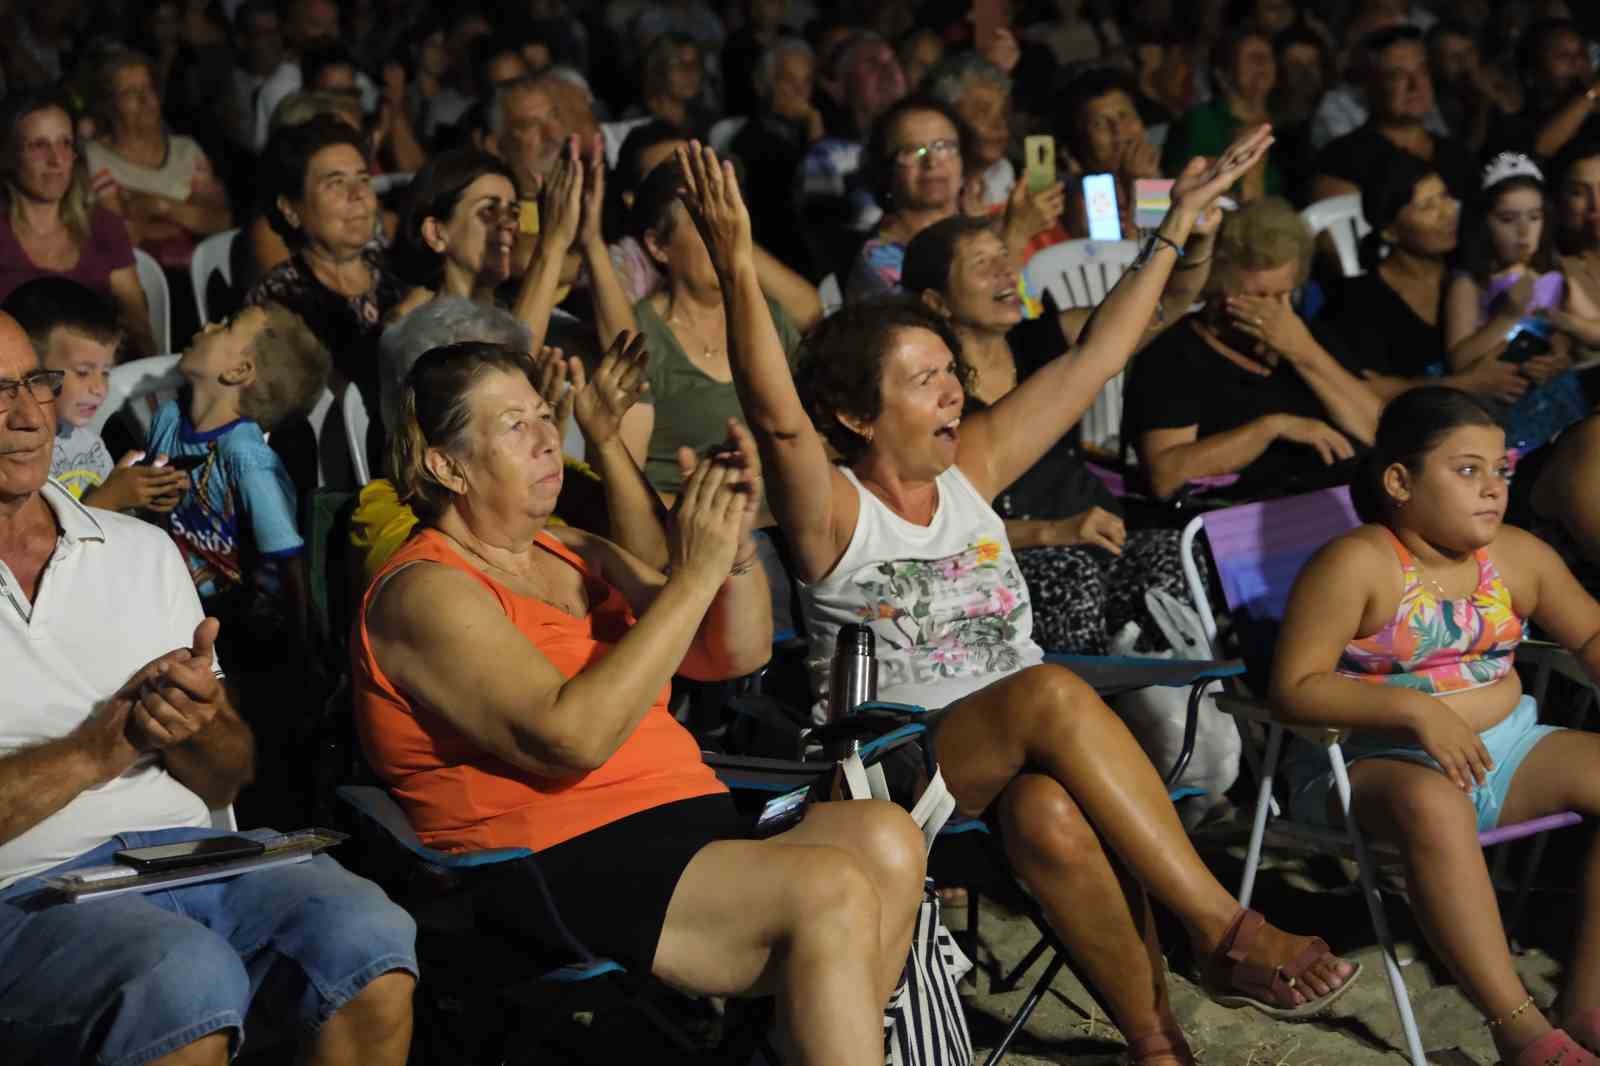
<point>1258,711</point>
<point>1548,656</point>
<point>379,809</point>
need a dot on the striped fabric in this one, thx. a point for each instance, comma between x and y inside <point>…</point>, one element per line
<point>924,1024</point>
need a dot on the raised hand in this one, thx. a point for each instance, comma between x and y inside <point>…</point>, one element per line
<point>712,197</point>
<point>561,205</point>
<point>594,191</point>
<point>1140,159</point>
<point>555,373</point>
<point>705,533</point>
<point>180,697</point>
<point>1196,190</point>
<point>1031,213</point>
<point>618,383</point>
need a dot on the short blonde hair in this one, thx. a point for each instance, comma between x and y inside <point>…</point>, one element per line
<point>292,368</point>
<point>1260,236</point>
<point>301,107</point>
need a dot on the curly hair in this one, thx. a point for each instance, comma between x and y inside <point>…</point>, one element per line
<point>841,363</point>
<point>1260,236</point>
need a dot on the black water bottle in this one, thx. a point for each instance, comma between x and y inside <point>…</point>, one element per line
<point>853,677</point>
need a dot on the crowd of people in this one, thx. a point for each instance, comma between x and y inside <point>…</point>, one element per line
<point>768,258</point>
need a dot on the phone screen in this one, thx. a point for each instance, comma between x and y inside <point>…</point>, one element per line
<point>189,852</point>
<point>1040,152</point>
<point>1100,203</point>
<point>1152,198</point>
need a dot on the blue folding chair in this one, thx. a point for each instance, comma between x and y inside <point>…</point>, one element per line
<point>1257,550</point>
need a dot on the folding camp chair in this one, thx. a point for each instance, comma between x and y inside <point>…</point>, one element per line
<point>1257,550</point>
<point>988,872</point>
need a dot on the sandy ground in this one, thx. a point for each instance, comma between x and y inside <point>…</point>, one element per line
<point>1361,1029</point>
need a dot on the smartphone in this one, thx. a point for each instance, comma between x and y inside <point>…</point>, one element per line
<point>989,17</point>
<point>150,459</point>
<point>1040,152</point>
<point>1100,204</point>
<point>189,853</point>
<point>1529,338</point>
<point>528,217</point>
<point>782,813</point>
<point>1152,198</point>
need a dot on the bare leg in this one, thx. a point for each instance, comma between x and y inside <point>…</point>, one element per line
<point>1433,823</point>
<point>1046,720</point>
<point>1055,851</point>
<point>1562,773</point>
<point>209,1050</point>
<point>373,1028</point>
<point>821,916</point>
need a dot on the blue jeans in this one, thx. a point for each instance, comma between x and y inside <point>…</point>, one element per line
<point>129,979</point>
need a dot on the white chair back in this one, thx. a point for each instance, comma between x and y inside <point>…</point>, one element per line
<point>154,283</point>
<point>614,133</point>
<point>1341,217</point>
<point>211,256</point>
<point>333,466</point>
<point>222,818</point>
<point>138,388</point>
<point>724,131</point>
<point>385,184</point>
<point>356,421</point>
<point>831,294</point>
<point>1079,274</point>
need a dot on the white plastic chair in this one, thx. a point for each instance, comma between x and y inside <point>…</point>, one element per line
<point>332,468</point>
<point>1079,274</point>
<point>724,131</point>
<point>831,294</point>
<point>614,133</point>
<point>1341,217</point>
<point>384,184</point>
<point>356,421</point>
<point>138,388</point>
<point>154,283</point>
<point>211,256</point>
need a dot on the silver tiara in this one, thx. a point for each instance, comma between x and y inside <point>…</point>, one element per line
<point>1510,165</point>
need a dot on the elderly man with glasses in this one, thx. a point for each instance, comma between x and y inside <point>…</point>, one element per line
<point>116,732</point>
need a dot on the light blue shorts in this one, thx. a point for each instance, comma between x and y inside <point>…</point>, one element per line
<point>1508,741</point>
<point>125,980</point>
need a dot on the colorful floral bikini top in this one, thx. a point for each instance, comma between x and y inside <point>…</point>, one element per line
<point>1435,645</point>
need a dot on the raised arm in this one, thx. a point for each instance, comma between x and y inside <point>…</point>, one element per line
<point>444,640</point>
<point>560,212</point>
<point>1000,443</point>
<point>636,518</point>
<point>613,311</point>
<point>811,500</point>
<point>1331,597</point>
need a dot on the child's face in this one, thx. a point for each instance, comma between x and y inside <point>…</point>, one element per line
<point>87,363</point>
<point>1515,225</point>
<point>219,348</point>
<point>1458,498</point>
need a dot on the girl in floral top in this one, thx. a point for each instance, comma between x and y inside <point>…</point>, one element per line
<point>1404,631</point>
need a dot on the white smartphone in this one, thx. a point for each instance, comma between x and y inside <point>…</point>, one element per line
<point>1100,204</point>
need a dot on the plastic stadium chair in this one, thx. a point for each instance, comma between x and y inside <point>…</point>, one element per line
<point>154,283</point>
<point>211,256</point>
<point>1341,217</point>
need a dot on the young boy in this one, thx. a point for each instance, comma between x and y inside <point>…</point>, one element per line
<point>235,524</point>
<point>77,333</point>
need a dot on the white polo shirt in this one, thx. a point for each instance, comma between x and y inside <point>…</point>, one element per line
<point>114,595</point>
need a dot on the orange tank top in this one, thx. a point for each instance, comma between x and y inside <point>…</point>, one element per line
<point>461,798</point>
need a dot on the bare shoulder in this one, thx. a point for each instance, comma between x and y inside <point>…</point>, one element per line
<point>591,548</point>
<point>1521,556</point>
<point>1362,552</point>
<point>422,596</point>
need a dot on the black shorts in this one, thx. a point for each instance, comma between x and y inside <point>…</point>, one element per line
<point>610,887</point>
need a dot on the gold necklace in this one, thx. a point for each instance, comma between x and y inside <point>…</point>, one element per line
<point>579,610</point>
<point>689,331</point>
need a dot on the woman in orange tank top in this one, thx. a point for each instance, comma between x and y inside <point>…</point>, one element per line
<point>1403,631</point>
<point>511,688</point>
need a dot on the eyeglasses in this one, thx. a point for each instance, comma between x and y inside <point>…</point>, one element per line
<point>43,385</point>
<point>916,154</point>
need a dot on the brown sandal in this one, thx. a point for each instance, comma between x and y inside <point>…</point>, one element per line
<point>1232,980</point>
<point>1166,1042</point>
